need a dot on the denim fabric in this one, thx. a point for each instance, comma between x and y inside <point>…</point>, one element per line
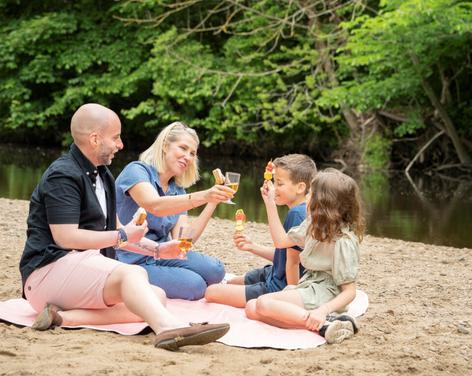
<point>256,282</point>
<point>180,279</point>
<point>185,279</point>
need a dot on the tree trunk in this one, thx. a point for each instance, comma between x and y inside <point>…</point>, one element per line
<point>330,71</point>
<point>448,124</point>
<point>352,148</point>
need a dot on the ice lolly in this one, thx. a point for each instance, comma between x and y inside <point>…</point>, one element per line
<point>269,171</point>
<point>240,218</point>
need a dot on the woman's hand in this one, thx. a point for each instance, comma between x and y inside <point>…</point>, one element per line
<point>316,319</point>
<point>242,242</point>
<point>218,193</point>
<point>169,250</point>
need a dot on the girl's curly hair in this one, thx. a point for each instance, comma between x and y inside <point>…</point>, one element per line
<point>334,203</point>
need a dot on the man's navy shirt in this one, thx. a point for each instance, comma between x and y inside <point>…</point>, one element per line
<point>66,195</point>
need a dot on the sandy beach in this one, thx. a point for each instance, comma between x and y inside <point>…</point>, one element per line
<point>419,320</point>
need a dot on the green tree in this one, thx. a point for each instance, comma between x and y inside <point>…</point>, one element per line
<point>54,56</point>
<point>410,63</point>
<point>337,79</point>
<point>261,68</point>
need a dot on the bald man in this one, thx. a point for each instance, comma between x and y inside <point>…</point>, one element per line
<point>72,227</point>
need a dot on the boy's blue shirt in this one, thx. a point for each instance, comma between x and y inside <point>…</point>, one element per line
<point>278,280</point>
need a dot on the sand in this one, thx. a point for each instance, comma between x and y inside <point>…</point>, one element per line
<point>419,320</point>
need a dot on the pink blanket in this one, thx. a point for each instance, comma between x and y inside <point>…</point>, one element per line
<point>243,333</point>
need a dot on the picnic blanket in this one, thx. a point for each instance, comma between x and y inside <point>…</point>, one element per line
<point>243,332</point>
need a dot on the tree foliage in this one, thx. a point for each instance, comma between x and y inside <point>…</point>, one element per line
<point>240,70</point>
<point>54,56</point>
<point>260,76</point>
<point>411,59</point>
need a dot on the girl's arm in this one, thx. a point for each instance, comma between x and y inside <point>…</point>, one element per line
<point>277,231</point>
<point>347,295</point>
<point>146,196</point>
<point>292,268</point>
<point>317,317</point>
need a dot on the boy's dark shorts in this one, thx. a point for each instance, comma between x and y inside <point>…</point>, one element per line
<point>256,282</point>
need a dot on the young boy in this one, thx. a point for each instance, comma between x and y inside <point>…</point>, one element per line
<point>293,175</point>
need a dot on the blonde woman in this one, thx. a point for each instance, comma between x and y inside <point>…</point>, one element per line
<point>157,182</point>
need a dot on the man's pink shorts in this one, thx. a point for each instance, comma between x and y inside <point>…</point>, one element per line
<point>74,281</point>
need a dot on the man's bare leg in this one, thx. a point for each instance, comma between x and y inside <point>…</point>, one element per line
<point>132,299</point>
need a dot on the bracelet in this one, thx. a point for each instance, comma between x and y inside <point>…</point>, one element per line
<point>122,238</point>
<point>157,251</point>
<point>190,199</point>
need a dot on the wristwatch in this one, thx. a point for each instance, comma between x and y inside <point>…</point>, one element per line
<point>122,238</point>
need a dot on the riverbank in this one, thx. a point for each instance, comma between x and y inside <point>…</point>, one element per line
<point>418,321</point>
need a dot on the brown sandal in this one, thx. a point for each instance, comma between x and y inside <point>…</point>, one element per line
<point>48,318</point>
<point>196,334</point>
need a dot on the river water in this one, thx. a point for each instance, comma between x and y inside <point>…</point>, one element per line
<point>429,209</point>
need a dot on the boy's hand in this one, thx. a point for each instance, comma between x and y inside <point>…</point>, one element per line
<point>268,192</point>
<point>242,242</point>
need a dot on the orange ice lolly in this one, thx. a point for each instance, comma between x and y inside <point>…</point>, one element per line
<point>269,171</point>
<point>240,218</point>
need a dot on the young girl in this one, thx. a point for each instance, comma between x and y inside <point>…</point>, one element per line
<point>330,237</point>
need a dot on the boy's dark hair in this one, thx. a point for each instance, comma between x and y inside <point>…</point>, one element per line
<point>301,168</point>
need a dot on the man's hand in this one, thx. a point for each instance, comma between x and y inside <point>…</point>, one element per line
<point>135,232</point>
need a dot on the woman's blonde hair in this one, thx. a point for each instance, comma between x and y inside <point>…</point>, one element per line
<point>155,154</point>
